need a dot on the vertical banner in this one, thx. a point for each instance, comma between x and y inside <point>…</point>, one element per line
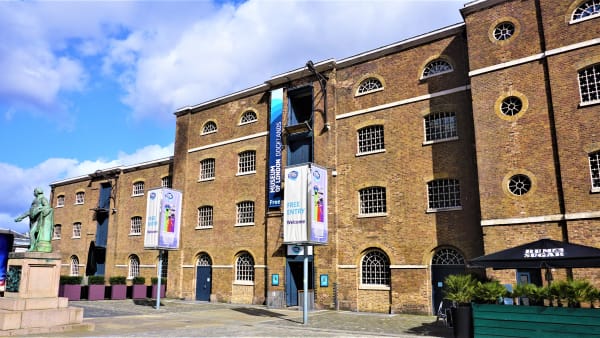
<point>295,214</point>
<point>275,147</point>
<point>163,219</point>
<point>318,200</point>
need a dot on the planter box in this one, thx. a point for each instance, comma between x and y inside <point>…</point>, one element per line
<point>162,291</point>
<point>118,291</point>
<point>95,292</point>
<point>138,291</point>
<point>534,321</point>
<point>72,291</point>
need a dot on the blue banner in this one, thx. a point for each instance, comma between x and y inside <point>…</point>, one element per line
<point>275,148</point>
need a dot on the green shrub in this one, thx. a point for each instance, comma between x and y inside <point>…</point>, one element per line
<point>154,280</point>
<point>139,280</point>
<point>96,280</point>
<point>72,280</point>
<point>489,292</point>
<point>460,288</point>
<point>117,280</point>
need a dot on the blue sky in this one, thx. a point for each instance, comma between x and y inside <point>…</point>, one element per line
<point>88,85</point>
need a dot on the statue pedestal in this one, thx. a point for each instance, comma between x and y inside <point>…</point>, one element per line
<point>31,304</point>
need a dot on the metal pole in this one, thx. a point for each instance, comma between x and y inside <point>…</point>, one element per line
<point>159,279</point>
<point>305,282</point>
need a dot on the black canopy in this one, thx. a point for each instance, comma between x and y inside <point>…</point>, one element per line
<point>543,253</point>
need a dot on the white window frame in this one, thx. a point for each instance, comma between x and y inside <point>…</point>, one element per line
<point>245,213</point>
<point>205,217</point>
<point>135,228</point>
<point>60,201</point>
<point>591,87</point>
<point>375,276</point>
<point>594,160</point>
<point>56,232</point>
<point>372,202</point>
<point>207,169</point>
<point>244,269</point>
<point>246,162</point>
<point>138,188</point>
<point>248,117</point>
<point>166,182</point>
<point>79,197</point>
<point>209,127</point>
<point>74,266</point>
<point>435,189</point>
<point>580,7</point>
<point>76,230</point>
<point>133,269</point>
<point>442,124</point>
<point>504,36</point>
<point>371,139</point>
<point>432,68</point>
<point>368,86</point>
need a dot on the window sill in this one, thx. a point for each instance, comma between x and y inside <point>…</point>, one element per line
<point>426,143</point>
<point>55,238</point>
<point>76,237</point>
<point>382,214</point>
<point>203,228</point>
<point>206,179</point>
<point>595,191</point>
<point>243,282</point>
<point>208,132</point>
<point>245,123</point>
<point>429,211</point>
<point>137,195</point>
<point>423,78</point>
<point>243,224</point>
<point>573,22</point>
<point>79,203</point>
<point>374,287</point>
<point>370,152</point>
<point>134,234</point>
<point>246,173</point>
<point>588,103</point>
<point>60,206</point>
<point>369,92</point>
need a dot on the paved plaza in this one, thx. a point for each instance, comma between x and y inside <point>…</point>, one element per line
<point>179,318</point>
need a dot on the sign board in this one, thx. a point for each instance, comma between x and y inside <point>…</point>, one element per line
<point>163,219</point>
<point>305,209</point>
<point>275,148</point>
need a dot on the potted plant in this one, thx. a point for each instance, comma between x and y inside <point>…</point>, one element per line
<point>71,287</point>
<point>460,289</point>
<point>490,292</point>
<point>96,287</point>
<point>118,287</point>
<point>138,289</point>
<point>163,284</point>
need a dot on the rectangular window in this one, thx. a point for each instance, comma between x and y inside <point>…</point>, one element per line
<point>57,233</point>
<point>60,201</point>
<point>205,217</point>
<point>207,169</point>
<point>80,197</point>
<point>370,140</point>
<point>589,84</point>
<point>136,226</point>
<point>165,182</point>
<point>443,194</point>
<point>440,126</point>
<point>247,162</point>
<point>245,213</point>
<point>595,171</point>
<point>77,230</point>
<point>138,189</point>
<point>372,201</point>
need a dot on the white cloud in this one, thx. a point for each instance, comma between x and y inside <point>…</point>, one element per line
<point>17,184</point>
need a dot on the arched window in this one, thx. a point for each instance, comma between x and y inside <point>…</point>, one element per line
<point>204,260</point>
<point>586,10</point>
<point>77,230</point>
<point>375,268</point>
<point>136,225</point>
<point>245,213</point>
<point>209,127</point>
<point>138,188</point>
<point>60,201</point>
<point>370,139</point>
<point>589,84</point>
<point>248,117</point>
<point>74,266</point>
<point>134,266</point>
<point>79,197</point>
<point>205,217</point>
<point>447,256</point>
<point>244,268</point>
<point>369,85</point>
<point>437,67</point>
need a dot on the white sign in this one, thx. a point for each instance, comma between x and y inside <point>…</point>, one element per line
<point>163,219</point>
<point>542,253</point>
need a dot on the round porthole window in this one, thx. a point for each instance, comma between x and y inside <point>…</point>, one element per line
<point>504,31</point>
<point>511,106</point>
<point>519,184</point>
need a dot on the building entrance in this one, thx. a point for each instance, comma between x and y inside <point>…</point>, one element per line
<point>294,272</point>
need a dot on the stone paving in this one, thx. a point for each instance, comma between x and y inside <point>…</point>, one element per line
<point>179,318</point>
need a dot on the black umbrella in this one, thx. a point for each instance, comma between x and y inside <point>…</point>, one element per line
<point>543,253</point>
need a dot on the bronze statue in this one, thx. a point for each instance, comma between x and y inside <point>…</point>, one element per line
<point>41,222</point>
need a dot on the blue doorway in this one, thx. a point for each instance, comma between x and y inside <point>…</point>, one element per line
<point>203,282</point>
<point>294,273</point>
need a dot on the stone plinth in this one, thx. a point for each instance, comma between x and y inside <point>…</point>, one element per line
<point>31,304</point>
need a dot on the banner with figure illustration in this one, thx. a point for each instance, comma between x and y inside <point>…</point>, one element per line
<point>305,207</point>
<point>163,219</point>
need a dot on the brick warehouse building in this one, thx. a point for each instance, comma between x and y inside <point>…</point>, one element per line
<point>440,148</point>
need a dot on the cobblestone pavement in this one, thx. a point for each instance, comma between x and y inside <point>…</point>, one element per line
<point>179,318</point>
